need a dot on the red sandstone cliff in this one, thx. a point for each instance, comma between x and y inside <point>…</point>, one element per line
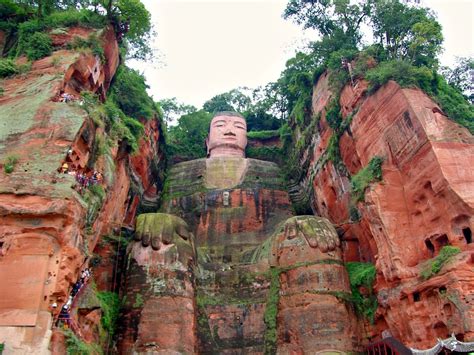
<point>424,202</point>
<point>48,230</point>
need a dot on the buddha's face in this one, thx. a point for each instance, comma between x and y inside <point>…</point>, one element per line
<point>227,136</point>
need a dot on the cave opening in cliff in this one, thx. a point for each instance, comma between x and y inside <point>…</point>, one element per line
<point>441,241</point>
<point>467,233</point>
<point>430,246</point>
<point>416,297</point>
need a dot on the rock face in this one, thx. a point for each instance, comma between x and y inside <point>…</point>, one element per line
<point>424,202</point>
<point>47,228</point>
<point>246,256</point>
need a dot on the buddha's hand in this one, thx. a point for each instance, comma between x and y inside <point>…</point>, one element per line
<point>160,229</point>
<point>318,232</point>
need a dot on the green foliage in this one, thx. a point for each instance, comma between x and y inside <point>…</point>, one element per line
<point>459,77</point>
<point>404,73</point>
<point>98,191</point>
<point>362,275</point>
<point>338,18</point>
<point>333,114</point>
<point>39,46</point>
<point>272,153</point>
<point>110,305</point>
<point>9,164</point>
<point>434,266</point>
<point>74,17</point>
<point>140,32</point>
<point>186,141</point>
<point>263,134</point>
<point>407,33</point>
<point>7,68</point>
<point>271,311</point>
<point>173,109</point>
<point>138,301</point>
<point>75,346</point>
<point>360,181</point>
<point>93,42</point>
<point>454,103</point>
<point>233,100</point>
<point>129,93</point>
<point>2,347</point>
<point>450,99</point>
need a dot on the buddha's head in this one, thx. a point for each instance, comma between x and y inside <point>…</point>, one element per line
<point>227,135</point>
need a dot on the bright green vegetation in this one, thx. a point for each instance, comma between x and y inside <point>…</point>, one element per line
<point>110,306</point>
<point>186,140</point>
<point>271,153</point>
<point>362,275</point>
<point>7,68</point>
<point>263,134</point>
<point>271,311</point>
<point>39,45</point>
<point>23,21</point>
<point>92,42</point>
<point>75,346</point>
<point>360,181</point>
<point>138,301</point>
<point>9,164</point>
<point>2,347</point>
<point>434,266</point>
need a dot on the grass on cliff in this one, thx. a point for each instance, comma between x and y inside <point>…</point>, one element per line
<point>110,305</point>
<point>263,134</point>
<point>434,266</point>
<point>75,346</point>
<point>451,100</point>
<point>362,276</point>
<point>360,181</point>
<point>9,164</point>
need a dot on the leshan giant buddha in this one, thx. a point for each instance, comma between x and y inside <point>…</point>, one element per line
<point>226,268</point>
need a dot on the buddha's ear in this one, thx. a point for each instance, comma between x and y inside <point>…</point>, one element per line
<point>207,145</point>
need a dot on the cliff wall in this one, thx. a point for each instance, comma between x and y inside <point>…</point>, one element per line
<point>50,223</point>
<point>423,203</point>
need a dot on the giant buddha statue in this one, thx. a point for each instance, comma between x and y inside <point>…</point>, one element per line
<point>225,268</point>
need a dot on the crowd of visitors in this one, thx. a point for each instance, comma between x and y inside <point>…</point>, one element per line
<point>64,318</point>
<point>83,179</point>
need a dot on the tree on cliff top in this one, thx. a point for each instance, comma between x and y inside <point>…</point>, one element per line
<point>131,20</point>
<point>404,32</point>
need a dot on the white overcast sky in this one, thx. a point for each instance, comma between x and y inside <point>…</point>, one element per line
<point>209,47</point>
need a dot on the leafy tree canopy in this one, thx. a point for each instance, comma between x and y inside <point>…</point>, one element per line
<point>130,18</point>
<point>129,93</point>
<point>186,141</point>
<point>460,76</point>
<point>173,109</point>
<point>233,100</point>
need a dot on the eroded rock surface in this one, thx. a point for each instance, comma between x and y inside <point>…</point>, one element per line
<point>424,202</point>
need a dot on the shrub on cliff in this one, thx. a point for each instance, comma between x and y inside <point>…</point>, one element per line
<point>362,278</point>
<point>129,93</point>
<point>110,305</point>
<point>434,266</point>
<point>360,181</point>
<point>7,68</point>
<point>38,46</point>
<point>403,72</point>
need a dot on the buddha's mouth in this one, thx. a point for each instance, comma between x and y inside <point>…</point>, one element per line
<point>229,134</point>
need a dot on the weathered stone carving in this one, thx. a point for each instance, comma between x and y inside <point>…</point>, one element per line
<point>239,212</point>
